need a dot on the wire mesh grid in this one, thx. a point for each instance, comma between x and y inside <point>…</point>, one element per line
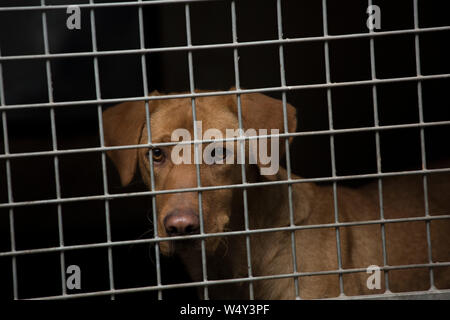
<point>284,88</point>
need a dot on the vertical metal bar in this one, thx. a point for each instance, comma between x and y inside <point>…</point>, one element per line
<point>422,140</point>
<point>288,157</point>
<point>196,153</point>
<point>55,148</point>
<point>149,135</point>
<point>242,149</point>
<point>333,158</point>
<point>378,154</point>
<point>9,186</point>
<point>102,144</point>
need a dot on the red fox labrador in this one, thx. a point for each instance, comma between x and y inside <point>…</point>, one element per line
<point>268,207</point>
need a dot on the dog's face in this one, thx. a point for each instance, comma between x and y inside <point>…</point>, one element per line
<point>175,166</point>
<point>178,213</point>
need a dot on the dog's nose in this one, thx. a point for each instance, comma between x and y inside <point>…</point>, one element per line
<point>181,222</point>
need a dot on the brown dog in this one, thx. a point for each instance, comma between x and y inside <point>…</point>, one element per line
<point>268,206</point>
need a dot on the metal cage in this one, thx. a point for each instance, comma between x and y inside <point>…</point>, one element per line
<point>11,253</point>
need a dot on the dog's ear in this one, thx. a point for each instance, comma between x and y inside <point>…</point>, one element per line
<point>263,112</point>
<point>123,125</point>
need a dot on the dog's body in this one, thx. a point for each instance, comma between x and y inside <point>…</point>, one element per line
<point>268,207</point>
<point>406,242</point>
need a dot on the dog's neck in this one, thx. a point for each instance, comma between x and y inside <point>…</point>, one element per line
<point>268,208</point>
<point>271,206</point>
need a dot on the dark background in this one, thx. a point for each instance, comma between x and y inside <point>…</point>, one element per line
<point>25,82</point>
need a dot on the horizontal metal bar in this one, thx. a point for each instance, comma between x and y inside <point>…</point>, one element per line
<point>229,92</point>
<point>99,5</point>
<point>414,295</point>
<point>230,45</point>
<point>281,135</point>
<point>236,280</point>
<point>230,186</point>
<point>218,234</point>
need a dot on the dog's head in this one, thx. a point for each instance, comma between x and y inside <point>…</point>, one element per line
<point>175,166</point>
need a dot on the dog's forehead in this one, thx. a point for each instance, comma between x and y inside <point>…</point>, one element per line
<point>213,112</point>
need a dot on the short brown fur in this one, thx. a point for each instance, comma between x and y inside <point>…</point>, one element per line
<point>268,207</point>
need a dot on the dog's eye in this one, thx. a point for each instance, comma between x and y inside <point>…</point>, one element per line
<point>218,154</point>
<point>158,155</point>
